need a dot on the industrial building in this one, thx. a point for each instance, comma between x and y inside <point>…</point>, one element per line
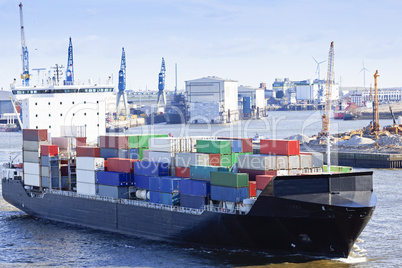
<point>212,100</point>
<point>251,101</point>
<point>314,91</point>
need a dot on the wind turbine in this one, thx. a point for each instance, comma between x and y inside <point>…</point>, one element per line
<point>364,75</point>
<point>317,71</point>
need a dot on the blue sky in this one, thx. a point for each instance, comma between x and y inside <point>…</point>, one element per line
<point>248,41</point>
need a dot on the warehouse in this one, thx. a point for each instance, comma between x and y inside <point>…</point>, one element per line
<point>251,101</point>
<point>212,100</point>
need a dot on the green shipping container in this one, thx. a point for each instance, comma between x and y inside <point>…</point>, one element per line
<point>203,173</point>
<point>141,141</point>
<point>133,141</point>
<point>229,179</point>
<point>339,169</point>
<point>214,146</point>
<point>228,160</point>
<point>141,153</point>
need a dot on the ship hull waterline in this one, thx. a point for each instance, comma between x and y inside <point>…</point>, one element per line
<point>330,232</point>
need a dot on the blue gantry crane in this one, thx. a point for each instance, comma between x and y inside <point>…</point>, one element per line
<point>25,76</point>
<point>70,66</point>
<point>161,101</point>
<point>122,83</point>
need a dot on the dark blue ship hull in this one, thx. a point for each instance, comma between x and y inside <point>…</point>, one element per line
<point>318,223</point>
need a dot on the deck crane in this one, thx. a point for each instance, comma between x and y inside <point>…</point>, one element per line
<point>25,76</point>
<point>122,83</point>
<point>70,67</point>
<point>161,100</point>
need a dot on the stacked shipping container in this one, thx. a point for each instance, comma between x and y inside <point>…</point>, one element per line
<point>174,171</point>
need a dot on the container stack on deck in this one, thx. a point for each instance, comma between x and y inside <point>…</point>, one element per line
<point>32,140</point>
<point>189,172</point>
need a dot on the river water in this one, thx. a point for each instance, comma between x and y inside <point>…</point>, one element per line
<point>30,242</point>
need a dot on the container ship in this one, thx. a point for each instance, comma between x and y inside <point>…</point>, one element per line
<point>200,191</point>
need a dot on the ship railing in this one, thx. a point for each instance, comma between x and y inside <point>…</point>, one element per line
<point>128,202</point>
<point>212,208</point>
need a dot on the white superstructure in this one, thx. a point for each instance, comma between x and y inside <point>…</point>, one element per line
<point>69,111</point>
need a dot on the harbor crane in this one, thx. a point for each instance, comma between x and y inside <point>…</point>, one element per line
<point>70,66</point>
<point>161,100</point>
<point>25,76</point>
<point>376,122</point>
<point>122,83</point>
<point>328,96</point>
<point>328,102</point>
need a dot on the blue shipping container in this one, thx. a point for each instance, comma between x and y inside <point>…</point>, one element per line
<point>229,194</point>
<point>195,187</point>
<point>113,191</point>
<point>112,178</point>
<point>154,184</point>
<point>185,187</point>
<point>149,168</point>
<point>171,199</point>
<point>141,182</point>
<point>190,201</point>
<point>169,184</point>
<point>49,161</point>
<point>236,146</point>
<point>155,197</point>
<point>133,153</point>
<point>113,153</point>
<point>203,173</point>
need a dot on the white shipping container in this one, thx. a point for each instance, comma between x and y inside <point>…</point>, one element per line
<point>32,180</point>
<point>62,142</point>
<point>294,161</point>
<point>31,168</point>
<point>188,159</point>
<point>86,176</point>
<point>168,144</point>
<point>262,162</point>
<point>161,157</point>
<point>306,160</point>
<point>33,145</point>
<point>31,156</point>
<point>86,188</point>
<point>90,163</point>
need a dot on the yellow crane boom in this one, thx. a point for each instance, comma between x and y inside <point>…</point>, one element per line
<point>328,96</point>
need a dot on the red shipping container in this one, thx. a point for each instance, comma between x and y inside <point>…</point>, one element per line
<point>48,149</point>
<point>182,172</point>
<point>34,134</point>
<point>121,164</point>
<point>262,181</point>
<point>280,147</point>
<point>115,142</point>
<point>105,165</point>
<point>252,173</point>
<point>214,159</point>
<point>81,141</point>
<point>89,151</point>
<point>252,188</point>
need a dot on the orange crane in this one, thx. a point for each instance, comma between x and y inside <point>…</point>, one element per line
<point>376,123</point>
<point>328,96</point>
